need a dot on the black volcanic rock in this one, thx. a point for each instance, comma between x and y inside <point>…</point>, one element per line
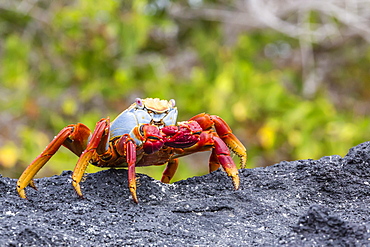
<point>323,202</point>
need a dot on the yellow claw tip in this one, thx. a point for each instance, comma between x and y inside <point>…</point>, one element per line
<point>21,192</point>
<point>236,182</point>
<point>133,193</point>
<point>135,200</point>
<point>77,188</point>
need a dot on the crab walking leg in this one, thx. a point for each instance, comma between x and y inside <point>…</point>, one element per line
<point>222,153</point>
<point>225,133</point>
<point>131,160</point>
<point>170,171</point>
<point>98,139</point>
<point>206,121</point>
<point>74,137</point>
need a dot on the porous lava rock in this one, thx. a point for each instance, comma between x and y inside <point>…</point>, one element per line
<point>323,202</point>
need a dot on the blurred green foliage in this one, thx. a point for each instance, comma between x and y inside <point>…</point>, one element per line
<point>79,61</point>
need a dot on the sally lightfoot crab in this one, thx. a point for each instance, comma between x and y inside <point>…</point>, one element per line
<point>144,134</point>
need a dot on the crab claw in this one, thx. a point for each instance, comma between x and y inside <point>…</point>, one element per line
<point>152,139</point>
<point>152,145</point>
<point>186,134</point>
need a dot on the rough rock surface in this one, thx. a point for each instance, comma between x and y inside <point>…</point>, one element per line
<point>323,202</point>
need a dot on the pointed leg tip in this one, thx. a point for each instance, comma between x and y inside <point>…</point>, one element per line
<point>77,188</point>
<point>136,200</point>
<point>22,193</point>
<point>134,197</point>
<point>236,182</point>
<point>132,189</point>
<point>80,196</point>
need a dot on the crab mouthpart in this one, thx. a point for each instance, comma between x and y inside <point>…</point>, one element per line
<point>160,124</point>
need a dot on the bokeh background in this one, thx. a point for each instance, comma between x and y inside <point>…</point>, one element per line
<point>290,77</point>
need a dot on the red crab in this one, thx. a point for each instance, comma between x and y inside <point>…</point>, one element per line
<point>144,134</point>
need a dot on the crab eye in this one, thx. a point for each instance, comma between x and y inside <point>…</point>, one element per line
<point>172,102</point>
<point>141,130</point>
<point>139,102</point>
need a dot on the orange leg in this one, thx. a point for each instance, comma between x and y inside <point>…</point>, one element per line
<point>98,140</point>
<point>131,161</point>
<point>170,171</point>
<point>98,145</point>
<point>207,121</point>
<point>126,146</point>
<point>74,137</point>
<point>222,153</point>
